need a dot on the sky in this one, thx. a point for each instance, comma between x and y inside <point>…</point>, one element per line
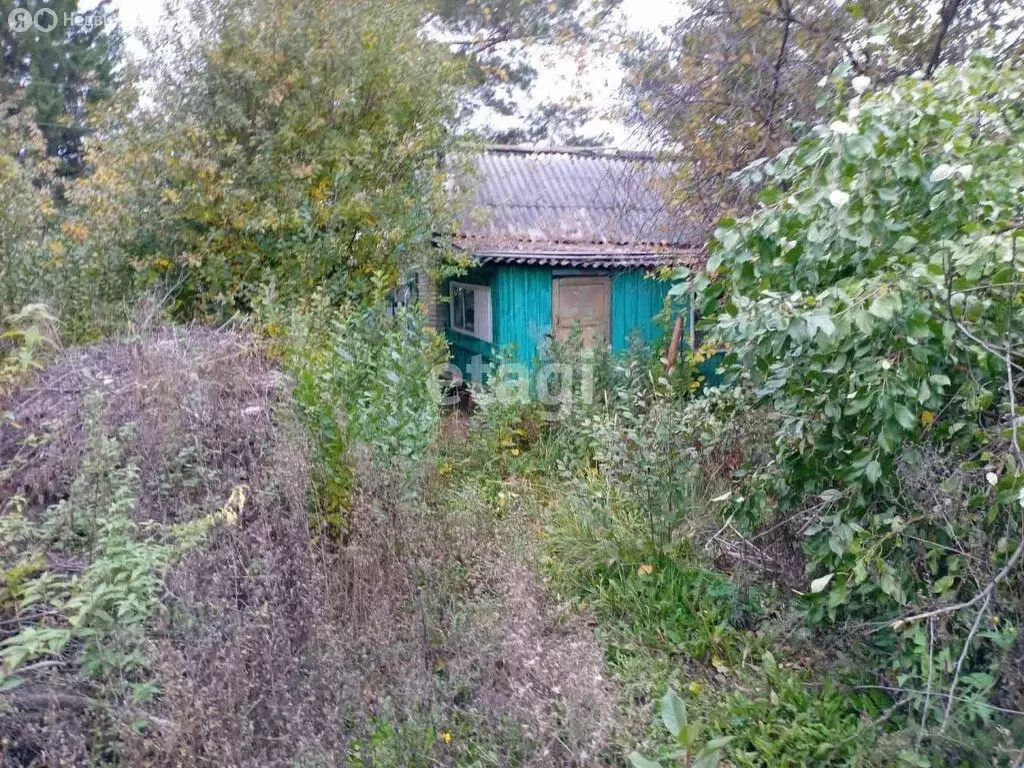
<point>559,79</point>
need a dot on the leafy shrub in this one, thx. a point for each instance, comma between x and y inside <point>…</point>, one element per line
<point>27,338</point>
<point>364,380</point>
<point>47,255</point>
<point>303,153</point>
<point>872,304</point>
<point>686,733</point>
<point>785,719</point>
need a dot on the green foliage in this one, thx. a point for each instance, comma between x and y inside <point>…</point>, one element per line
<point>496,38</point>
<point>47,254</point>
<point>26,339</point>
<point>782,718</point>
<point>24,173</point>
<point>871,305</point>
<point>686,733</point>
<point>93,618</point>
<point>364,381</point>
<point>62,74</point>
<point>304,152</point>
<point>735,81</point>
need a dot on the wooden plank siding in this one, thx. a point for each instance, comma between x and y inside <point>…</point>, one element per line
<point>636,301</point>
<point>521,305</point>
<point>524,304</point>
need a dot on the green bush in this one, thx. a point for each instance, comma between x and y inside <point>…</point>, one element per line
<point>791,719</point>
<point>871,304</point>
<point>365,382</point>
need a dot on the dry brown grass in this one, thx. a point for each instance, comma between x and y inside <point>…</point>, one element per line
<point>275,646</point>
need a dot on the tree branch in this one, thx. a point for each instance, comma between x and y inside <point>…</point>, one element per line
<point>780,60</point>
<point>946,16</point>
<point>960,661</point>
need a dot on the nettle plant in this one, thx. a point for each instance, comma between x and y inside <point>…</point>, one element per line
<point>82,582</point>
<point>872,304</point>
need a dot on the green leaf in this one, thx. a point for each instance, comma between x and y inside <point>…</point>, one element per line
<point>942,172</point>
<point>10,683</point>
<point>884,307</point>
<point>819,321</point>
<point>717,743</point>
<point>707,760</point>
<point>905,417</point>
<point>673,713</point>
<point>979,680</point>
<point>907,757</point>
<point>873,472</point>
<point>639,761</point>
<point>905,243</point>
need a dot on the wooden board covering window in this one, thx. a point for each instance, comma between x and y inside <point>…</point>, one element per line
<point>583,300</point>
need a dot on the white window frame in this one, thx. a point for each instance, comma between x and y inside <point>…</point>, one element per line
<point>481,310</point>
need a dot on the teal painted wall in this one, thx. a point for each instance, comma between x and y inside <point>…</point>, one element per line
<point>636,301</point>
<point>465,348</point>
<point>521,311</point>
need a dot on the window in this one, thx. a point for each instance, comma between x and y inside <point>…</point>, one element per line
<point>471,310</point>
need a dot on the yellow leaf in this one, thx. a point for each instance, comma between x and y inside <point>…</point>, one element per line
<point>927,418</point>
<point>645,570</point>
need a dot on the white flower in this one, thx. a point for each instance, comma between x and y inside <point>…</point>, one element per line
<point>861,83</point>
<point>838,198</point>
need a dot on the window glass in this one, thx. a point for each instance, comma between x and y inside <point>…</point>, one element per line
<point>459,304</point>
<point>470,311</point>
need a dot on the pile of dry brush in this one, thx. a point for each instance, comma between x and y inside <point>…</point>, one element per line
<point>274,645</point>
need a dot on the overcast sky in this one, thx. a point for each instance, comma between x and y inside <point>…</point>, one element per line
<point>559,78</point>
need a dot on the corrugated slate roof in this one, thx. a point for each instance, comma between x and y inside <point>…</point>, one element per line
<point>603,255</point>
<point>572,207</point>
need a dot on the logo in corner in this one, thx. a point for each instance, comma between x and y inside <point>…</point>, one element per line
<point>20,20</point>
<point>46,19</point>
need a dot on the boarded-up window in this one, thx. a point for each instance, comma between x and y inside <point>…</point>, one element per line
<point>584,301</point>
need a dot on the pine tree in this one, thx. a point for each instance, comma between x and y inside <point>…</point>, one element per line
<point>63,72</point>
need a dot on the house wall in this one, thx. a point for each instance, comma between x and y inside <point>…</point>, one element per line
<point>465,348</point>
<point>522,316</point>
<point>522,313</point>
<point>636,301</point>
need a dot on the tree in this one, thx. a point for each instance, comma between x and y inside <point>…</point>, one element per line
<point>24,174</point>
<point>62,73</point>
<point>872,306</point>
<point>499,41</point>
<point>292,143</point>
<point>738,79</point>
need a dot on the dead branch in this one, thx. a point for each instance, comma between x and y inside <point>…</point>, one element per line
<point>960,661</point>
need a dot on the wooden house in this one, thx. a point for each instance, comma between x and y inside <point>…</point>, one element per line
<point>560,237</point>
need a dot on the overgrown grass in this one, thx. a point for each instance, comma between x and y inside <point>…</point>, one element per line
<point>620,540</point>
